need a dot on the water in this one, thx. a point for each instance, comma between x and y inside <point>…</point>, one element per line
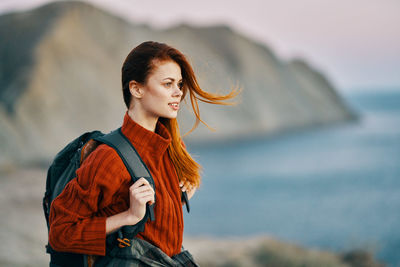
<point>333,188</point>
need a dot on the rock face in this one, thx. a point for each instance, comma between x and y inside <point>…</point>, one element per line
<point>60,76</point>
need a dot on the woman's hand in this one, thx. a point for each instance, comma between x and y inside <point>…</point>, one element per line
<point>187,186</point>
<point>140,193</point>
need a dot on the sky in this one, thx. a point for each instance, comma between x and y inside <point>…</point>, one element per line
<point>354,43</point>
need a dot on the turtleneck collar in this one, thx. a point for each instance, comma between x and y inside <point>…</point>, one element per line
<point>146,141</point>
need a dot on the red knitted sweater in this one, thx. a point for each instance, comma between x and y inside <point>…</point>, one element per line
<point>100,189</point>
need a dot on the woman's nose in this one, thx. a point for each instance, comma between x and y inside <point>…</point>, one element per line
<point>178,91</point>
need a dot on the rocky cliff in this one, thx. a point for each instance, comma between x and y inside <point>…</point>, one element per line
<point>60,76</point>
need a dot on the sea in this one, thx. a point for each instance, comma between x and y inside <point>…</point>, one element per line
<point>334,188</point>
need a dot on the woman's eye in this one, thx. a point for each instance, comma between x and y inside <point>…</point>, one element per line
<point>180,85</point>
<point>168,84</point>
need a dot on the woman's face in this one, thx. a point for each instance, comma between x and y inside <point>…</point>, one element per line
<point>162,93</point>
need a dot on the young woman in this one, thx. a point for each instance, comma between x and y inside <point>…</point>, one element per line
<point>102,199</point>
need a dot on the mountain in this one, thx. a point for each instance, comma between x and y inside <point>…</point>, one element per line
<point>60,76</point>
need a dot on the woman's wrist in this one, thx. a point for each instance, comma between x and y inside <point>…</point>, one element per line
<point>119,220</point>
<point>130,218</point>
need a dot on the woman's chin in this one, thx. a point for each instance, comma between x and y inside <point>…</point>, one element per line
<point>170,116</point>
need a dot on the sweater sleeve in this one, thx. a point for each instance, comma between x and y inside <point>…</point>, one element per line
<point>74,226</point>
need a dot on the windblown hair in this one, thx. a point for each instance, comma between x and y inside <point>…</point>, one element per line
<point>138,65</point>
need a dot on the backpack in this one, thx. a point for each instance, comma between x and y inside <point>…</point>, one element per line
<point>63,169</point>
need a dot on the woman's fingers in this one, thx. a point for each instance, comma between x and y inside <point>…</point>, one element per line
<point>141,189</point>
<point>142,192</point>
<point>145,197</point>
<point>141,185</point>
<point>186,186</point>
<point>149,198</point>
<point>140,182</point>
<point>182,186</point>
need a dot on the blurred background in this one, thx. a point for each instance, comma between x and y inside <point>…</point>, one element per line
<point>304,171</point>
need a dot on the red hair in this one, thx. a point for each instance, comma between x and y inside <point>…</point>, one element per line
<point>138,65</point>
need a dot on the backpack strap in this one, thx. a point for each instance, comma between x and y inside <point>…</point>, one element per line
<point>185,199</point>
<point>136,168</point>
<point>133,162</point>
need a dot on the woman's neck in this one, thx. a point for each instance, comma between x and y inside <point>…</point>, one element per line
<point>143,120</point>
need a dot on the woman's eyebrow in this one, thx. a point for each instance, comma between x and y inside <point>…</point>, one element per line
<point>171,79</point>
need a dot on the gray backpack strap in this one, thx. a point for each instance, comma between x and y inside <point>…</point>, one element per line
<point>133,162</point>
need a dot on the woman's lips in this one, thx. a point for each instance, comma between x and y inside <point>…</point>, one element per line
<point>174,105</point>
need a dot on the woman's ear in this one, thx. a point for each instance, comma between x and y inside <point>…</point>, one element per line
<point>136,89</point>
